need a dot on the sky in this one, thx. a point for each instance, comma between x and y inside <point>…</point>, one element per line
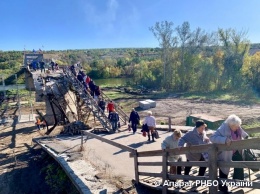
<point>90,24</point>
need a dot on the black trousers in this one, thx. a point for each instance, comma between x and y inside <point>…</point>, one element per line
<point>221,187</point>
<point>134,126</point>
<point>201,170</point>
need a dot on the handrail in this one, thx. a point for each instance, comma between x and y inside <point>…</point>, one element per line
<point>212,163</point>
<point>121,146</point>
<point>96,110</point>
<point>176,151</point>
<point>124,117</point>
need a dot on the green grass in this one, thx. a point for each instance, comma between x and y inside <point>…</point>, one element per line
<point>117,95</point>
<point>239,96</point>
<point>251,125</point>
<point>14,91</point>
<point>254,124</point>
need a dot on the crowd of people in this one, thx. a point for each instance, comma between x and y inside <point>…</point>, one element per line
<point>230,130</point>
<point>41,65</point>
<point>95,91</point>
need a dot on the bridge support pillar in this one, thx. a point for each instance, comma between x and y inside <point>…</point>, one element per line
<point>29,82</point>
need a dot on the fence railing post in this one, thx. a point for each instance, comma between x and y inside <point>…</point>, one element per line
<point>164,171</point>
<point>213,168</point>
<point>170,124</point>
<point>81,145</point>
<point>135,153</point>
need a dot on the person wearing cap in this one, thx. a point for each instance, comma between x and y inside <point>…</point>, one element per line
<point>134,119</point>
<point>171,142</point>
<point>151,123</point>
<point>197,136</point>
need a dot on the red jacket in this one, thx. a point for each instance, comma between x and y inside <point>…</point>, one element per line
<point>88,80</point>
<point>110,106</point>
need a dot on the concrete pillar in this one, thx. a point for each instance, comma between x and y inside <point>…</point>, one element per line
<point>29,81</point>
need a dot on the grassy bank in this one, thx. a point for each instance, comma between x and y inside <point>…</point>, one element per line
<point>235,96</point>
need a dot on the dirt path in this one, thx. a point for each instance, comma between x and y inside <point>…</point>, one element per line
<point>179,109</point>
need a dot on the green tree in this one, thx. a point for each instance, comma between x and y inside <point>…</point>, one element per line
<point>235,47</point>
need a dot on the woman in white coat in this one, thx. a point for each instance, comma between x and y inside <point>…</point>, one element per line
<point>229,131</point>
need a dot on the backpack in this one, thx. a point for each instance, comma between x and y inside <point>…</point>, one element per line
<point>156,134</point>
<point>250,156</point>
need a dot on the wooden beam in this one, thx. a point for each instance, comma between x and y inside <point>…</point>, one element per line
<point>149,163</point>
<point>148,153</point>
<point>191,163</point>
<point>164,171</point>
<point>170,124</point>
<point>240,164</point>
<point>136,166</point>
<point>240,145</point>
<point>123,147</point>
<point>176,151</point>
<point>213,168</point>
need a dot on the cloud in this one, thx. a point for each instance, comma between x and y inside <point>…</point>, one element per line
<point>101,16</point>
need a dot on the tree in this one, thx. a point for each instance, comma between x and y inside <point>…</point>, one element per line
<point>235,47</point>
<point>163,31</point>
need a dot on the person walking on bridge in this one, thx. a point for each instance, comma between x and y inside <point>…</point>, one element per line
<point>42,66</point>
<point>113,118</point>
<point>151,123</point>
<point>134,119</point>
<point>110,106</point>
<point>102,104</point>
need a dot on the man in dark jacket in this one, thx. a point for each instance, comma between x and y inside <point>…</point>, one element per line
<point>134,119</point>
<point>42,66</point>
<point>92,87</point>
<point>102,104</point>
<point>80,78</point>
<point>197,136</point>
<point>113,118</point>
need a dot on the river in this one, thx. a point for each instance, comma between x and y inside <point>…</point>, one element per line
<point>112,82</point>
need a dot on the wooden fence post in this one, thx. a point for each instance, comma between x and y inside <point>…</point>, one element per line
<point>135,153</point>
<point>81,146</point>
<point>213,168</point>
<point>164,171</point>
<point>170,124</point>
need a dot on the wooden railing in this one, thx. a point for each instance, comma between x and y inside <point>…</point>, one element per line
<point>122,115</point>
<point>212,163</point>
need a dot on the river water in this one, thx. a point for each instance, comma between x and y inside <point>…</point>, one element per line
<point>112,82</point>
